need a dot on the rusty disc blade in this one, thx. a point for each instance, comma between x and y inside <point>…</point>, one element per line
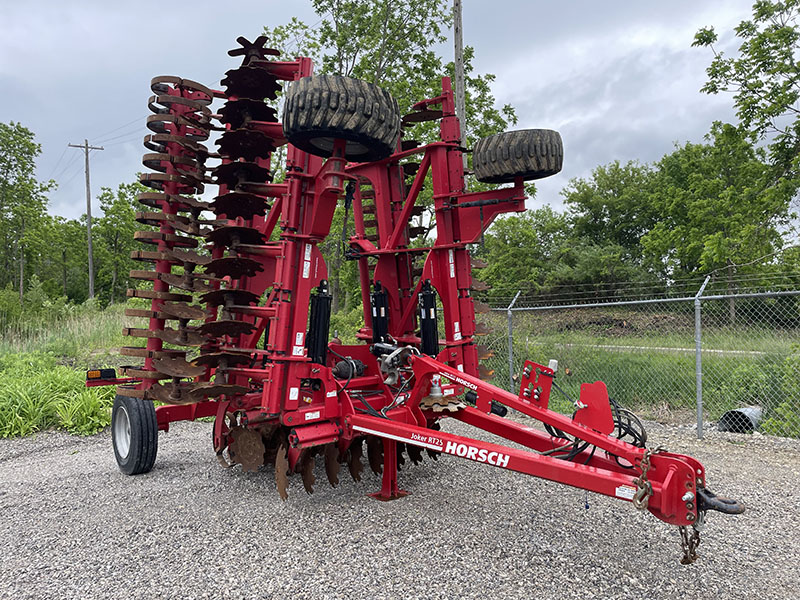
<point>235,173</point>
<point>239,112</point>
<point>282,470</point>
<point>229,297</point>
<point>177,367</point>
<point>185,282</point>
<point>251,82</point>
<point>375,454</point>
<point>233,235</point>
<point>248,144</point>
<point>202,391</point>
<point>481,308</point>
<point>480,286</point>
<point>415,454</point>
<point>482,329</point>
<point>408,145</point>
<point>484,352</point>
<point>234,267</point>
<point>221,360</point>
<point>485,373</point>
<point>306,467</point>
<point>354,454</point>
<point>239,204</point>
<point>410,168</point>
<point>420,116</point>
<point>255,50</point>
<point>182,310</point>
<point>180,337</point>
<point>188,257</point>
<point>332,464</point>
<point>477,263</point>
<point>169,393</point>
<point>246,447</point>
<point>227,327</point>
<point>401,460</point>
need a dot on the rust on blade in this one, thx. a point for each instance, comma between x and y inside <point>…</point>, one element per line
<point>375,454</point>
<point>233,235</point>
<point>234,267</point>
<point>354,454</point>
<point>482,329</point>
<point>481,308</point>
<point>484,352</point>
<point>246,447</point>
<point>239,204</point>
<point>421,116</point>
<point>229,297</point>
<point>221,360</point>
<point>248,144</point>
<point>225,327</point>
<point>180,337</point>
<point>480,286</point>
<point>306,467</point>
<point>332,464</point>
<point>177,367</point>
<point>182,310</point>
<point>235,173</point>
<point>237,113</point>
<point>282,470</point>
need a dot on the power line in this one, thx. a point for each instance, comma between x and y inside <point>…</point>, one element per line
<point>58,162</point>
<point>136,120</point>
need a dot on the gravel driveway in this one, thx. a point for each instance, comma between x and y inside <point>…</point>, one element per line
<point>73,526</point>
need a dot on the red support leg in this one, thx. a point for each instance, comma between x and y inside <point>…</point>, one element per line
<point>389,489</point>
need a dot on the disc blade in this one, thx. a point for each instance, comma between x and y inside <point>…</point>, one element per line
<point>282,470</point>
<point>307,471</point>
<point>415,454</point>
<point>375,454</point>
<point>354,454</point>
<point>332,465</point>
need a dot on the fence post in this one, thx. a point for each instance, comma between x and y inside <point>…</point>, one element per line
<point>698,357</point>
<point>510,317</point>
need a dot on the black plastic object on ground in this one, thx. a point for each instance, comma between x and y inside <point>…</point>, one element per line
<point>741,420</point>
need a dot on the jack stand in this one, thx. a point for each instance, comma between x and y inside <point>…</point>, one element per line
<point>389,489</point>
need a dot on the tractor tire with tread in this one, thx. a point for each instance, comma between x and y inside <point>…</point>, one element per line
<point>323,108</point>
<point>134,434</point>
<point>527,153</point>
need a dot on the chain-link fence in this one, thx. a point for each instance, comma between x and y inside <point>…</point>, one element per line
<point>729,361</point>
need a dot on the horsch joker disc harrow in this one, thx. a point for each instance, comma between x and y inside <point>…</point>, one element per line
<point>239,302</point>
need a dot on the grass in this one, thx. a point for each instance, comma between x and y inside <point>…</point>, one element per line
<point>42,372</point>
<point>648,362</point>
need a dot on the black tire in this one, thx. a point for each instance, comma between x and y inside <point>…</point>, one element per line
<point>527,153</point>
<point>324,108</point>
<point>134,434</point>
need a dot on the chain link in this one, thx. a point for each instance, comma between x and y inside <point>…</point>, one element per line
<point>644,489</point>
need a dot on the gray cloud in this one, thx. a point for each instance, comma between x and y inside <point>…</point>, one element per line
<point>618,79</point>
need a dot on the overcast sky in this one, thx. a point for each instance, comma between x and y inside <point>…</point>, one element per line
<point>618,79</point>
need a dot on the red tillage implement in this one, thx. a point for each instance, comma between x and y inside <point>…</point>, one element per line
<point>262,362</point>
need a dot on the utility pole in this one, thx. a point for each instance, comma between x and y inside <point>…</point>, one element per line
<point>86,147</point>
<point>458,38</point>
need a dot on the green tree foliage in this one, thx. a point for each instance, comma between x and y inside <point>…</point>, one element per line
<point>763,76</point>
<point>114,235</point>
<point>719,204</point>
<point>520,251</point>
<point>23,205</point>
<point>391,43</point>
<point>613,206</point>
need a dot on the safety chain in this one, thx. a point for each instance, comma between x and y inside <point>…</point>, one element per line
<point>644,489</point>
<point>690,542</point>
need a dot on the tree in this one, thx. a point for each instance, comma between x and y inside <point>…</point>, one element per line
<point>115,230</point>
<point>613,207</point>
<point>520,251</point>
<point>763,77</point>
<point>721,207</point>
<point>23,204</point>
<point>391,43</point>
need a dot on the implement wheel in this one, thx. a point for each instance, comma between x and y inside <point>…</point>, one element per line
<point>324,108</point>
<point>527,153</point>
<point>134,434</point>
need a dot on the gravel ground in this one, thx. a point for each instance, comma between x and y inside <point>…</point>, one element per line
<point>74,527</point>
